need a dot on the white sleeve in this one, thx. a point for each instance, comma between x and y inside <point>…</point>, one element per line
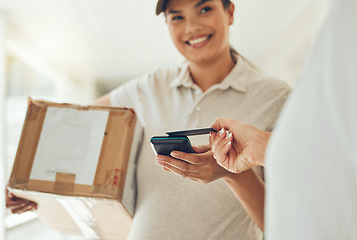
<point>125,95</point>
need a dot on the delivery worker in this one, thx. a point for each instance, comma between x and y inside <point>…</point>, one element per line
<point>213,81</point>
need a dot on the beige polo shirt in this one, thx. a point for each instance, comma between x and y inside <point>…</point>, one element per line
<point>168,206</point>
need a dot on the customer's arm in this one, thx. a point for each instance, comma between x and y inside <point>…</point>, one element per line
<point>249,188</point>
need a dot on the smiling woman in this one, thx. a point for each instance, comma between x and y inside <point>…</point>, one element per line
<point>212,81</point>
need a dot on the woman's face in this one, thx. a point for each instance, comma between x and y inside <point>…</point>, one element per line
<point>199,28</point>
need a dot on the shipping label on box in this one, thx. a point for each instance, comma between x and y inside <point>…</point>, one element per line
<point>81,159</point>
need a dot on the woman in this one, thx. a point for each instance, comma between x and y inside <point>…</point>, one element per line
<point>212,80</point>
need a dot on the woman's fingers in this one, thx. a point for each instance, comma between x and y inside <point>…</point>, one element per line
<point>167,161</point>
<point>201,148</point>
<point>188,157</point>
<point>18,203</point>
<point>193,176</point>
<point>200,167</point>
<point>23,209</point>
<point>178,167</point>
<point>20,206</point>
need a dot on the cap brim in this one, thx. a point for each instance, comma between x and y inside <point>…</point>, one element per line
<point>160,6</point>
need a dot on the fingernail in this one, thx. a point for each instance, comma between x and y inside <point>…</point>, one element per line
<point>159,159</point>
<point>221,132</point>
<point>175,154</point>
<point>229,134</point>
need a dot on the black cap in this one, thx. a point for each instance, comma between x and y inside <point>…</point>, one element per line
<point>160,6</point>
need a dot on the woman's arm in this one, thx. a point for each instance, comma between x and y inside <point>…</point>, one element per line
<point>103,100</point>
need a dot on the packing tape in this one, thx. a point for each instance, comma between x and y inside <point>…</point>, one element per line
<point>18,182</point>
<point>81,216</point>
<point>64,182</point>
<point>111,184</point>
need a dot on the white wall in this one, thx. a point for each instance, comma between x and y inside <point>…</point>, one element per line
<point>114,41</point>
<point>277,35</point>
<point>2,127</point>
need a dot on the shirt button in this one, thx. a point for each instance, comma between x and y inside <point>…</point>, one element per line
<point>198,108</point>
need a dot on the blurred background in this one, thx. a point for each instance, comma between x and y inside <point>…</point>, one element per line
<point>76,50</point>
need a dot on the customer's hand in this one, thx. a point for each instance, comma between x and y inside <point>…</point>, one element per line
<point>238,146</point>
<point>18,205</point>
<point>200,166</point>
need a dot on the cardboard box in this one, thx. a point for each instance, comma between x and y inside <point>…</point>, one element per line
<point>78,164</point>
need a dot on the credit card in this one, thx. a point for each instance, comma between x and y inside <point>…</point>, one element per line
<point>191,132</point>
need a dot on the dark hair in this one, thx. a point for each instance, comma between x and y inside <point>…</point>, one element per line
<point>226,3</point>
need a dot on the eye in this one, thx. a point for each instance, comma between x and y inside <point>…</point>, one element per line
<point>206,9</point>
<point>176,18</point>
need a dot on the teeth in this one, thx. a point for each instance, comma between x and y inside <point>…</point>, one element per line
<point>197,40</point>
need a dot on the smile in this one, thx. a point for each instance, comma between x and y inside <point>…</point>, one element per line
<point>198,40</point>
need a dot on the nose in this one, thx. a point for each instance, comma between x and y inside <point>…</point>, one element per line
<point>193,25</point>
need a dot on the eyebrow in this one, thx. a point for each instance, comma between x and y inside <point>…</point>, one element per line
<point>200,3</point>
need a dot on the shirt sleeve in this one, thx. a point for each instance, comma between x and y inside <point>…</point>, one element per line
<point>276,95</point>
<point>282,96</point>
<point>125,95</point>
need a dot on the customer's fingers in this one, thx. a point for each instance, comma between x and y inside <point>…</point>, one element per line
<point>220,123</point>
<point>222,138</point>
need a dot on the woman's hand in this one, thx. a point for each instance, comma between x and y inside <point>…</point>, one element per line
<point>238,146</point>
<point>18,205</point>
<point>200,167</point>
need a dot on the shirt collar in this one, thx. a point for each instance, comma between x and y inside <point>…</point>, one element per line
<point>236,79</point>
<point>183,78</point>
